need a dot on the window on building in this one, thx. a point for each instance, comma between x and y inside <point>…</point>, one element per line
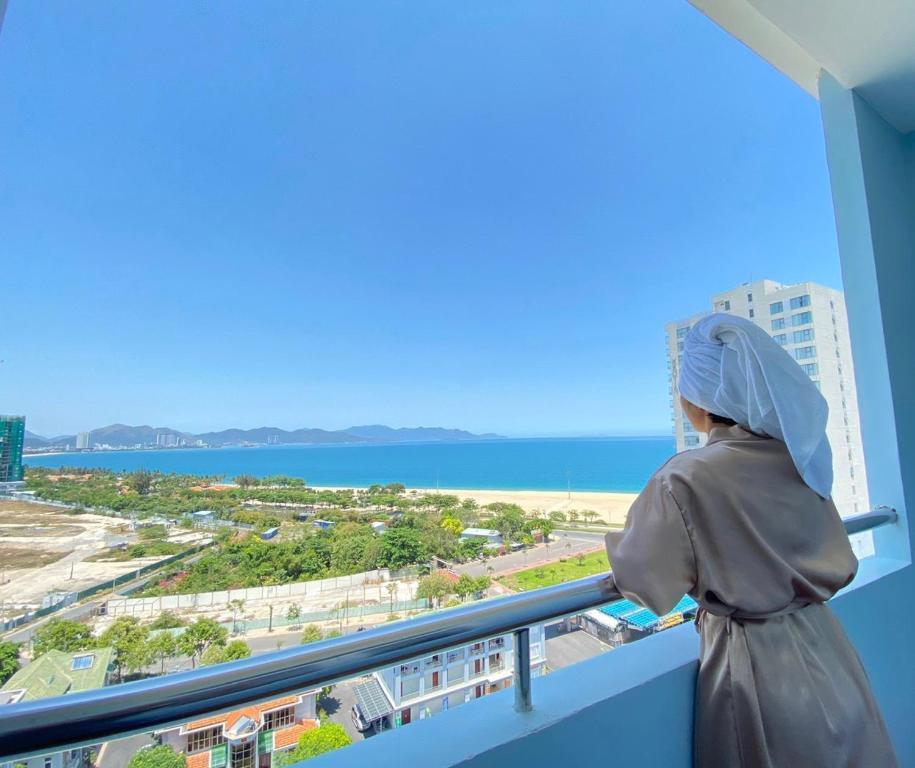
<point>749,297</point>
<point>681,332</point>
<point>727,306</point>
<point>198,741</point>
<point>805,353</point>
<point>776,307</point>
<point>279,718</point>
<point>802,336</point>
<point>811,369</point>
<point>800,301</point>
<point>243,755</point>
<point>802,318</point>
<point>454,656</point>
<point>692,441</point>
<point>752,312</point>
<point>48,762</point>
<point>83,662</point>
<point>781,338</point>
<point>778,323</point>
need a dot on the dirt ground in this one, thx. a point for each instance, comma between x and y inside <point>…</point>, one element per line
<point>43,549</point>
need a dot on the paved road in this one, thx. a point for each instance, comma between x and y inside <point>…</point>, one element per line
<point>566,648</point>
<point>117,754</point>
<point>562,544</point>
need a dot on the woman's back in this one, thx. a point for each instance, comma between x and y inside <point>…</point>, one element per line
<point>762,539</point>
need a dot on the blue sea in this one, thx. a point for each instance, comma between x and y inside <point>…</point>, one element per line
<point>584,464</point>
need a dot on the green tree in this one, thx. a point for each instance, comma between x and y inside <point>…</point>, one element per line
<point>589,515</point>
<point>434,587</point>
<point>217,654</point>
<point>293,612</point>
<point>558,517</point>
<point>9,660</point>
<point>129,639</point>
<point>162,756</point>
<point>141,482</point>
<point>62,635</point>
<point>328,737</point>
<point>401,545</point>
<point>162,646</point>
<point>167,620</point>
<point>201,635</point>
<point>543,525</point>
<point>311,634</point>
<point>466,586</point>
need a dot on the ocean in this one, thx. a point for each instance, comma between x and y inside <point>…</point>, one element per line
<point>621,464</point>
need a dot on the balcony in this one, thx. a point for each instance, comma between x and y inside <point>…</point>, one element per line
<point>641,687</point>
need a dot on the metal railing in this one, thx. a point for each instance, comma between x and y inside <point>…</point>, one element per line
<point>81,719</point>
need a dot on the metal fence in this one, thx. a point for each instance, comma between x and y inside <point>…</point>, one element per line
<point>74,597</point>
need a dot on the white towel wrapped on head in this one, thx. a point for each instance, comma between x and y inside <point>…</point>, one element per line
<point>731,367</point>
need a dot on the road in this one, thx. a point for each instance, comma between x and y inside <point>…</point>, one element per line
<point>117,754</point>
<point>562,544</point>
<point>566,648</point>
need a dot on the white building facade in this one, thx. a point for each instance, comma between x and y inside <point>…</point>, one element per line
<point>810,322</point>
<point>425,687</point>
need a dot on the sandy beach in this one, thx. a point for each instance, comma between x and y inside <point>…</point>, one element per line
<point>611,508</point>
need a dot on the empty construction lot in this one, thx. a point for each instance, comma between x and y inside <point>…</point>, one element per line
<point>43,549</point>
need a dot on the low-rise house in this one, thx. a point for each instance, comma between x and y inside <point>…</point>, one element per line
<point>421,688</point>
<point>57,673</point>
<point>245,738</point>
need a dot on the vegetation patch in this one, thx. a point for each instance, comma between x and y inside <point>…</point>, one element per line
<point>566,569</point>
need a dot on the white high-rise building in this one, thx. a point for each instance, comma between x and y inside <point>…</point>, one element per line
<point>809,320</point>
<point>82,441</point>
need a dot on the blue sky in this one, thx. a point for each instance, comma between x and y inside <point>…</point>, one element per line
<point>334,212</point>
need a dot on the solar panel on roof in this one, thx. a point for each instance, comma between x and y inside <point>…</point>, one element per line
<point>372,701</point>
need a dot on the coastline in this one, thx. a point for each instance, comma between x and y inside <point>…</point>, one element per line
<point>612,507</point>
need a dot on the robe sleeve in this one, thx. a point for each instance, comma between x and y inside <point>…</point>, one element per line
<point>652,558</point>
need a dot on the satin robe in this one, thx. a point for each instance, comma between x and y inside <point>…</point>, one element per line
<point>733,524</point>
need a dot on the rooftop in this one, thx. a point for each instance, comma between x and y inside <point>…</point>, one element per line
<point>56,673</point>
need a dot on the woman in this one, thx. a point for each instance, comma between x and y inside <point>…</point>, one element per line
<point>746,526</point>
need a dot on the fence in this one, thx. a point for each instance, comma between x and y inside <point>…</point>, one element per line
<point>74,597</point>
<point>152,606</point>
<point>241,626</point>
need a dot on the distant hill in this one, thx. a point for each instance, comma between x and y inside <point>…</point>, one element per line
<point>415,434</point>
<point>125,436</point>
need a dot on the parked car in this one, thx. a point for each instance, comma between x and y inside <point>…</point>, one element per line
<point>362,725</point>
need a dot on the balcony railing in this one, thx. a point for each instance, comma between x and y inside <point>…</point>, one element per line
<point>80,719</point>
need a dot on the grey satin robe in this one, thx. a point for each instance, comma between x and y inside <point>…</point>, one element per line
<point>779,684</point>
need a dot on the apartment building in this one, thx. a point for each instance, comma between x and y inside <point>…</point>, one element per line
<point>12,437</point>
<point>245,738</point>
<point>425,687</point>
<point>810,322</point>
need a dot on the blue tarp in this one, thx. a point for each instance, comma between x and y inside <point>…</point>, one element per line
<point>642,618</point>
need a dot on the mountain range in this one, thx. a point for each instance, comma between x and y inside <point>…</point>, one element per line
<point>124,436</point>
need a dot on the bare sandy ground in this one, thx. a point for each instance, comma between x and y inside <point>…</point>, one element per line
<point>611,508</point>
<point>34,534</point>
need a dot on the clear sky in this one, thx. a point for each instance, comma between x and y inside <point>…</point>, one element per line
<point>471,214</point>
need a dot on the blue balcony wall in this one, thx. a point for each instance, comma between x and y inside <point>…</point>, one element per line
<point>872,171</point>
